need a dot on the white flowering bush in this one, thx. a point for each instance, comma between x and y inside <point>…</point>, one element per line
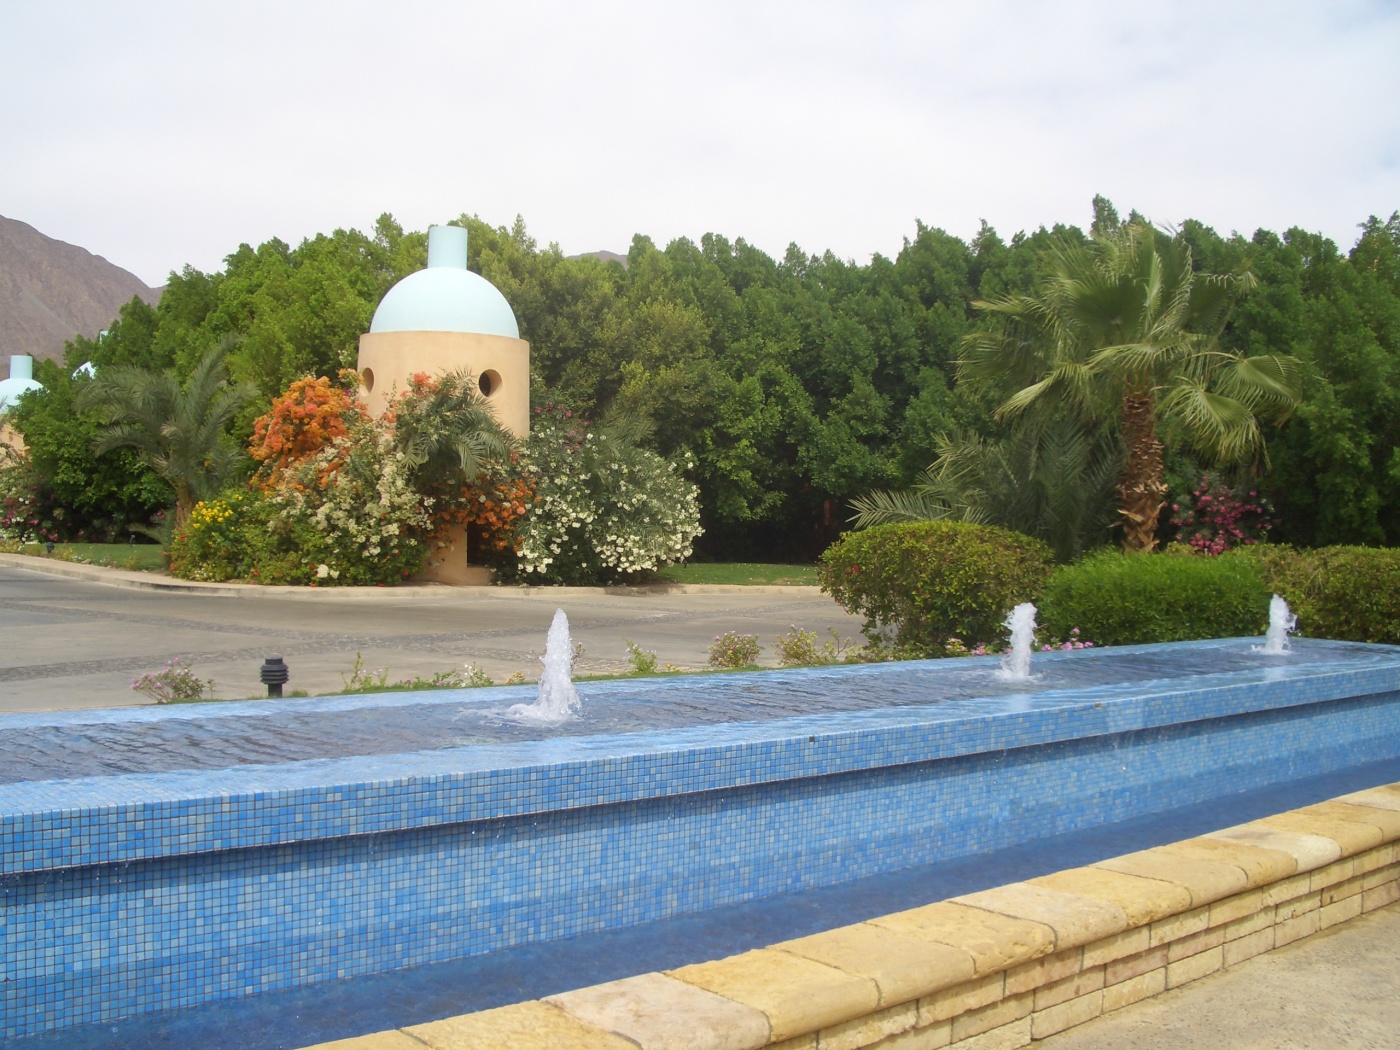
<point>605,510</point>
<point>355,511</point>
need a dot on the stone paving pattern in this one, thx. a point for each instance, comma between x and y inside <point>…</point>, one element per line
<point>1023,963</point>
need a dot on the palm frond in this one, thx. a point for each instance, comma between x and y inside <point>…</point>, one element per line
<point>1222,428</point>
<point>178,429</point>
<point>1269,384</point>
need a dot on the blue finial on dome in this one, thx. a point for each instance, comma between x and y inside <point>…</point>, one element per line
<point>446,297</point>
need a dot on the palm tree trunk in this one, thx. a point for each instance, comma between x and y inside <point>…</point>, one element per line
<point>184,501</point>
<point>1142,492</point>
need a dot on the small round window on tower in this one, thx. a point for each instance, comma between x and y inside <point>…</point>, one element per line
<point>489,382</point>
<point>367,378</point>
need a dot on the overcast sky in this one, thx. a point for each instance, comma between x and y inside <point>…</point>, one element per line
<point>160,134</point>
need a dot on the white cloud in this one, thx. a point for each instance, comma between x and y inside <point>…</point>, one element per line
<point>165,133</point>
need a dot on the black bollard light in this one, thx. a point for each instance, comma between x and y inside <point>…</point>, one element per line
<point>274,675</point>
<point>48,547</point>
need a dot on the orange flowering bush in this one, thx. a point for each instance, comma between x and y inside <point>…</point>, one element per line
<point>491,508</point>
<point>311,415</point>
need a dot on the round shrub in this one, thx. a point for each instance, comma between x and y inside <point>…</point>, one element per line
<point>214,543</point>
<point>734,650</point>
<point>928,581</point>
<point>1349,593</point>
<point>1122,599</point>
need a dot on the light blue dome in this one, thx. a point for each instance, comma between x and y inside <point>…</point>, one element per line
<point>21,381</point>
<point>446,297</point>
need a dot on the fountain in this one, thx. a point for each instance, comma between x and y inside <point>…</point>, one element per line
<point>557,700</point>
<point>154,858</point>
<point>1016,664</point>
<point>1282,623</point>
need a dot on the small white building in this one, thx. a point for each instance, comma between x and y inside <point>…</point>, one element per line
<point>21,381</point>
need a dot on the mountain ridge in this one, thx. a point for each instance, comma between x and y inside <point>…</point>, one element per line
<point>51,291</point>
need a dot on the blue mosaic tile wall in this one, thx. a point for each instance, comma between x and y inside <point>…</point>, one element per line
<point>221,895</point>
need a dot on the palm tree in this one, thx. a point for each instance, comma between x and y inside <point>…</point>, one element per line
<point>176,429</point>
<point>447,431</point>
<point>1121,325</point>
<point>1051,479</point>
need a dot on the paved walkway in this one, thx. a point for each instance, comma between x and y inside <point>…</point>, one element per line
<point>1336,990</point>
<point>78,642</point>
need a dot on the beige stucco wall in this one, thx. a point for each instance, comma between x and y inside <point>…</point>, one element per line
<point>387,359</point>
<point>10,438</point>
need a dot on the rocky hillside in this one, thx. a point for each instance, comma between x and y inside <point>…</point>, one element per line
<point>51,291</point>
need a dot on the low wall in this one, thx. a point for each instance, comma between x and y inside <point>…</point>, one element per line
<point>988,971</point>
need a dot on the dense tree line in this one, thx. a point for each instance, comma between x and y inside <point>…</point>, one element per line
<point>796,384</point>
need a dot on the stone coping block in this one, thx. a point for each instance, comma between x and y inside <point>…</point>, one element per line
<point>1075,919</point>
<point>532,1024</point>
<point>974,967</point>
<point>1385,797</point>
<point>390,1040</point>
<point>1309,851</point>
<point>658,1012</point>
<point>1143,900</point>
<point>1260,865</point>
<point>1350,836</point>
<point>904,967</point>
<point>995,942</point>
<point>1205,880</point>
<point>1383,819</point>
<point>797,995</point>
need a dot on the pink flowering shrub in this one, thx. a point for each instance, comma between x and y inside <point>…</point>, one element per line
<point>733,650</point>
<point>1216,518</point>
<point>956,647</point>
<point>172,683</point>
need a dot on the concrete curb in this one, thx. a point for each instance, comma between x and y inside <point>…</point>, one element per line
<point>146,581</point>
<point>997,969</point>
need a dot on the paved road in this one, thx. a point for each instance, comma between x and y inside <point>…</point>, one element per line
<point>77,643</point>
<point>1337,990</point>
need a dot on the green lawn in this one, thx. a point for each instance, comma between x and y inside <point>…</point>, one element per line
<point>144,557</point>
<point>743,573</point>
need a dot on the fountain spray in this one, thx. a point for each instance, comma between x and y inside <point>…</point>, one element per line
<point>557,700</point>
<point>1016,664</point>
<point>1282,623</point>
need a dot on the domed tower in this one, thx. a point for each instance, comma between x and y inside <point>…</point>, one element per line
<point>444,319</point>
<point>21,381</point>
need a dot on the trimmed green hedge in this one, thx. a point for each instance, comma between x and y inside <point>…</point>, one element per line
<point>929,581</point>
<point>1121,599</point>
<point>1351,593</point>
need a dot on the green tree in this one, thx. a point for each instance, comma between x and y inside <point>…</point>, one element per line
<point>1122,325</point>
<point>177,429</point>
<point>94,497</point>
